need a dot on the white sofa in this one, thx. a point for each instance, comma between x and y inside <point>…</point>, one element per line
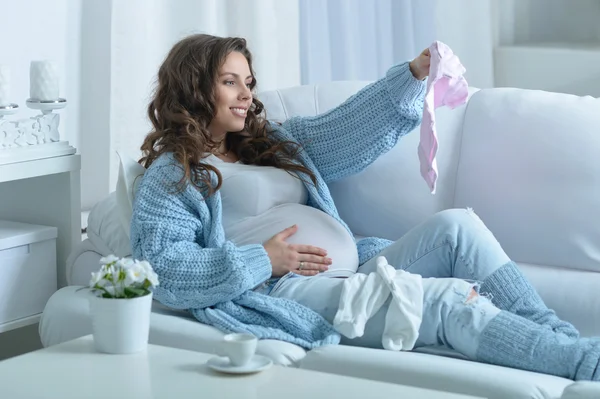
<point>526,161</point>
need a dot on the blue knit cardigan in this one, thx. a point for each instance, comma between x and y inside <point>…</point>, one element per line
<point>182,236</point>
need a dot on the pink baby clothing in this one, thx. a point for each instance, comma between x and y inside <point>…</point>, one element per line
<point>446,86</point>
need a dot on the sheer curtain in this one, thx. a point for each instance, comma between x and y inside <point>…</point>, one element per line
<point>357,39</point>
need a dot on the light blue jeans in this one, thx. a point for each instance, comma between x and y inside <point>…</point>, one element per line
<point>455,252</point>
<point>426,250</point>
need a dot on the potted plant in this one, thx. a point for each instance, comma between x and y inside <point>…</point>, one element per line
<point>121,304</point>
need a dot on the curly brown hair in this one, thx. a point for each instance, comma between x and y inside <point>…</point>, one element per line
<point>183,105</point>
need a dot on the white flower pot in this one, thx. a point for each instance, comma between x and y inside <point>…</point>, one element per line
<point>120,325</point>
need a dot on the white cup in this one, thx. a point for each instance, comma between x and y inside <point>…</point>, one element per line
<point>239,348</point>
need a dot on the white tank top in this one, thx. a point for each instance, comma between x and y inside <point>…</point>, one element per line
<point>260,201</point>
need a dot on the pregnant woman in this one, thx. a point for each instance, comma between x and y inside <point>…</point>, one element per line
<point>236,218</point>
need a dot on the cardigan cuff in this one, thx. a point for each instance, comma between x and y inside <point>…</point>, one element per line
<point>407,92</point>
<point>258,262</point>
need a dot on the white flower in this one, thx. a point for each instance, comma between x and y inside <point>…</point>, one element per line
<point>151,276</point>
<point>108,259</point>
<point>123,277</point>
<point>134,274</point>
<point>144,264</point>
<point>125,263</point>
<point>97,278</point>
<point>108,269</point>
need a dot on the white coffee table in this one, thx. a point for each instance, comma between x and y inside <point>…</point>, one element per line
<point>75,370</point>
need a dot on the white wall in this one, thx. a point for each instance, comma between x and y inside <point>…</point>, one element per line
<point>556,21</point>
<point>559,41</point>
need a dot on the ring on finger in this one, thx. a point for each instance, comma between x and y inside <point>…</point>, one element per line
<point>301,266</point>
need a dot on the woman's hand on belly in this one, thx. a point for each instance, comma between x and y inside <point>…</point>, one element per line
<point>306,260</point>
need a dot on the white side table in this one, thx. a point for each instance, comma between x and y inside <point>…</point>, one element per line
<point>46,192</point>
<point>75,370</point>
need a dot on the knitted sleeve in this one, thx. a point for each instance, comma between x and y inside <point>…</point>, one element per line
<point>348,138</point>
<point>166,230</point>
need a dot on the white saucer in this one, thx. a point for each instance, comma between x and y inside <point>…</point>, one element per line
<point>256,364</point>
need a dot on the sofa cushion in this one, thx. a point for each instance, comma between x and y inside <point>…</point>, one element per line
<point>307,100</point>
<point>105,229</point>
<point>434,372</point>
<point>529,167</point>
<point>130,177</point>
<point>110,219</point>
<point>577,306</point>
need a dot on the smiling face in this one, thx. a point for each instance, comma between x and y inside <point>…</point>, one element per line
<point>233,96</point>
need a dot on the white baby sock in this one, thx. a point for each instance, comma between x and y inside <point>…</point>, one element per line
<point>362,296</point>
<point>405,312</point>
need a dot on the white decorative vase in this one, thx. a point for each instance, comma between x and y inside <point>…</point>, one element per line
<point>120,326</point>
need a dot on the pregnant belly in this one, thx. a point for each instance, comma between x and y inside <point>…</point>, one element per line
<point>314,228</point>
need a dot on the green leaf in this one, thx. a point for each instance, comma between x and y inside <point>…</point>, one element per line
<point>133,292</point>
<point>122,275</point>
<point>104,292</point>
